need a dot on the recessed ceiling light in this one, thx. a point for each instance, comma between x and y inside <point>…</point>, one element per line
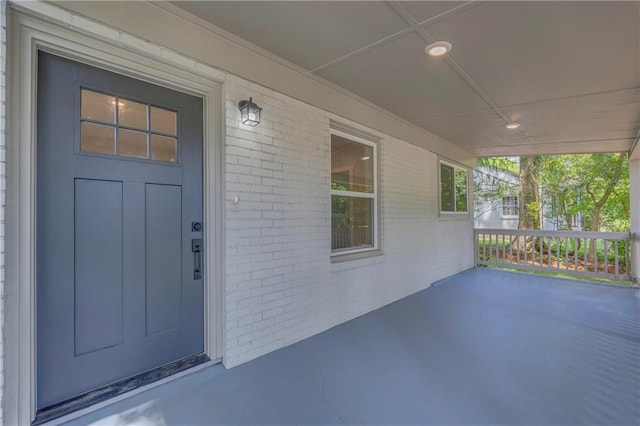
<point>438,48</point>
<point>365,158</point>
<point>512,126</point>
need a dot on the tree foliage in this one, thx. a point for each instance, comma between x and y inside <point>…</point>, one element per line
<point>592,189</point>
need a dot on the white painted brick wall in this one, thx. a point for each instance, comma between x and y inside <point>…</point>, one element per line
<point>3,186</point>
<point>281,285</point>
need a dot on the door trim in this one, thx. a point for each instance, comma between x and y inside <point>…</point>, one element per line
<point>139,59</point>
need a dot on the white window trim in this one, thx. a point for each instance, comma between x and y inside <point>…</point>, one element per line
<point>517,205</point>
<point>459,167</point>
<point>375,196</point>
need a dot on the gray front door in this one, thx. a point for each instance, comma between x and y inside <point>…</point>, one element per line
<point>119,196</point>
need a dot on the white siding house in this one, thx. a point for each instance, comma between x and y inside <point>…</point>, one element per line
<point>496,203</point>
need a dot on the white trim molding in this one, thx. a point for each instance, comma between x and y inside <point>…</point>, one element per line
<point>372,142</point>
<point>445,214</point>
<point>96,45</point>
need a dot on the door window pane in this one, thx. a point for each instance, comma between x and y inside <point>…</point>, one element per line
<point>163,148</point>
<point>133,121</point>
<point>163,121</point>
<point>97,138</point>
<point>352,165</point>
<point>351,222</point>
<point>132,114</point>
<point>97,106</point>
<point>132,144</point>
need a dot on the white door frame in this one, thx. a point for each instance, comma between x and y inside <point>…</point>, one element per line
<point>104,47</point>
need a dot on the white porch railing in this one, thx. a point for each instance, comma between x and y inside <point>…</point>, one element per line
<point>592,254</point>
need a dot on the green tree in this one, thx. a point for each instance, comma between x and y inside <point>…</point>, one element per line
<point>594,185</point>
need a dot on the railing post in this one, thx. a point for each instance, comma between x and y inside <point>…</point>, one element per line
<point>634,182</point>
<point>475,248</point>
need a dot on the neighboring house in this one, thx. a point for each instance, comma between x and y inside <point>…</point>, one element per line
<point>496,198</point>
<point>497,202</point>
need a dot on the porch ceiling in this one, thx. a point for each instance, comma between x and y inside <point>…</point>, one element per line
<point>569,72</point>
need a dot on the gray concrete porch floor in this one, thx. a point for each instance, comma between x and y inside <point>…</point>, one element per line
<point>480,347</point>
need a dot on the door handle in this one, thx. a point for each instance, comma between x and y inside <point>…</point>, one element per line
<point>196,248</point>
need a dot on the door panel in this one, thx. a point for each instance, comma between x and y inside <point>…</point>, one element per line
<point>116,295</point>
<point>164,260</point>
<point>98,294</point>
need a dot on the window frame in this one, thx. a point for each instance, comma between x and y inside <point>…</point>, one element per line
<point>345,253</point>
<point>459,214</point>
<point>80,86</point>
<point>516,205</point>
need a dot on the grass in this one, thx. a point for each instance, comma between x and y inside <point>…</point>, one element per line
<point>567,276</point>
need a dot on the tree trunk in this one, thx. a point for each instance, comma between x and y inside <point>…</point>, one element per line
<point>528,211</point>
<point>528,201</point>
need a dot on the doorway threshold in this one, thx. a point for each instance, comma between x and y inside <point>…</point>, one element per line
<point>116,389</point>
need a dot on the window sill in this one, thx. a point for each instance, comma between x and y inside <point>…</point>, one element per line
<point>354,260</point>
<point>454,216</point>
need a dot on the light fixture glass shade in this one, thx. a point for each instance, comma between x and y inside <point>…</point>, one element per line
<point>249,112</point>
<point>438,48</point>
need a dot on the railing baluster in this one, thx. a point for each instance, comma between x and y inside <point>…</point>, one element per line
<point>484,246</point>
<point>586,255</point>
<point>615,257</point>
<point>627,260</point>
<point>566,253</point>
<point>490,246</point>
<point>504,249</point>
<point>596,257</point>
<point>510,249</point>
<point>543,254</point>
<point>605,267</point>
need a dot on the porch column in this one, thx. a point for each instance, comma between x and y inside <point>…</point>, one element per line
<point>634,207</point>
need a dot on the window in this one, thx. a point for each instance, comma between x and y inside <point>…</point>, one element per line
<point>353,194</point>
<point>113,125</point>
<point>453,188</point>
<point>510,206</point>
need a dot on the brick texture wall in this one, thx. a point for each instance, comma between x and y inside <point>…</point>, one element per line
<point>281,286</point>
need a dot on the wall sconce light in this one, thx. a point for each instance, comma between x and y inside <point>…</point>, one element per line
<point>250,112</point>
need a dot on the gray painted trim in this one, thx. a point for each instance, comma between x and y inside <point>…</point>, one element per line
<point>356,256</point>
